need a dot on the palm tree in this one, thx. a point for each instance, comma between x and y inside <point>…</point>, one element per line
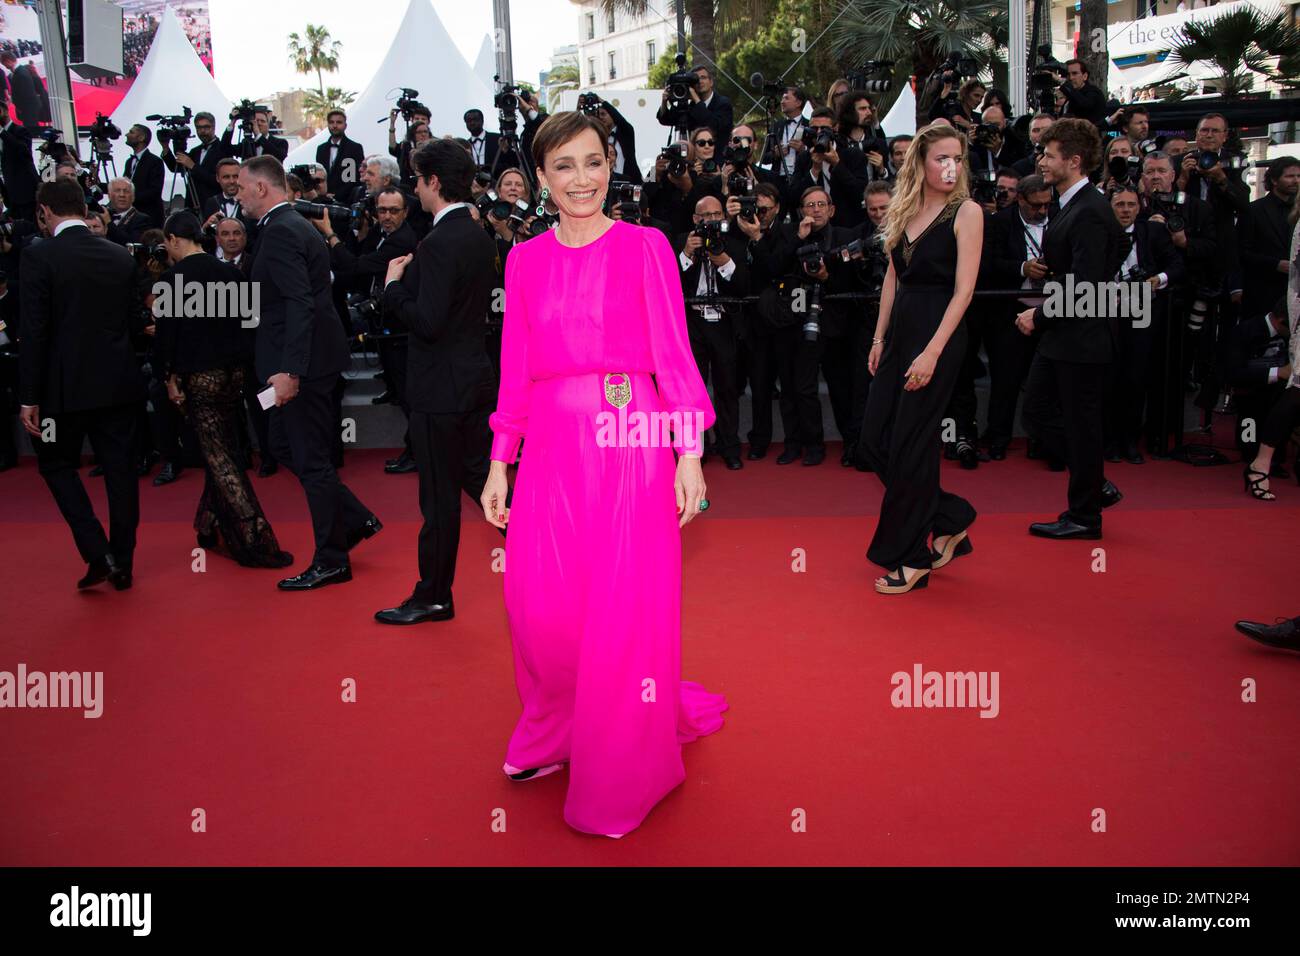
<point>317,52</point>
<point>918,35</point>
<point>316,106</point>
<point>565,76</point>
<point>707,18</point>
<point>1239,45</point>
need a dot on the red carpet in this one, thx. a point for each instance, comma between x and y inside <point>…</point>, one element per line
<point>1118,690</point>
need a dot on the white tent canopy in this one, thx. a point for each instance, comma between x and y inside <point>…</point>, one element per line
<point>485,64</point>
<point>171,78</point>
<point>422,57</point>
<point>901,117</point>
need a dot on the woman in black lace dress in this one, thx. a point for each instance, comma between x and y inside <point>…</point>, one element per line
<point>202,356</point>
<point>933,234</point>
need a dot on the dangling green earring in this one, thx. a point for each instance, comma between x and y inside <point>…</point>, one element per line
<point>541,202</point>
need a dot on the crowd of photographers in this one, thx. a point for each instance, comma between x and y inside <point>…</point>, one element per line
<point>776,231</point>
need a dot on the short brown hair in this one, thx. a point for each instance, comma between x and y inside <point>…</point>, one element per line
<point>268,169</point>
<point>64,197</point>
<point>814,189</point>
<point>1076,137</point>
<point>558,129</point>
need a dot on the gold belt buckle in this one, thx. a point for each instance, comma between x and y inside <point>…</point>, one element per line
<point>618,394</point>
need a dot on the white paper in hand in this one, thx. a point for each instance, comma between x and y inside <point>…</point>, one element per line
<point>266,397</point>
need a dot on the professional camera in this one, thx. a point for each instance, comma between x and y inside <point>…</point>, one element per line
<point>1138,274</point>
<point>101,132</point>
<point>985,133</point>
<point>365,314</point>
<point>868,76</point>
<point>490,202</point>
<point>244,112</point>
<point>629,202</point>
<point>983,187</point>
<point>1207,160</point>
<point>51,143</point>
<point>714,233</point>
<point>1044,78</point>
<point>676,156</point>
<point>818,138</point>
<point>1125,169</point>
<point>951,72</point>
<point>875,263</point>
<point>407,103</point>
<point>811,257</point>
<point>341,217</point>
<point>173,132</point>
<point>739,156</point>
<point>303,171</point>
<point>589,103</point>
<point>748,208</point>
<point>145,253</point>
<point>739,184</point>
<point>1170,205</point>
<point>91,190</point>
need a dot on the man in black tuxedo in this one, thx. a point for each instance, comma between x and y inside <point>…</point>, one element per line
<point>1015,260</point>
<point>1083,100</point>
<point>145,170</point>
<point>1063,400</point>
<point>126,223</point>
<point>1139,383</point>
<point>200,164</point>
<point>18,175</point>
<point>225,204</point>
<point>341,157</point>
<point>78,376</point>
<point>1266,238</point>
<point>260,143</point>
<point>841,172</point>
<point>31,101</point>
<point>482,145</point>
<point>622,134</point>
<point>720,269</point>
<point>451,387</point>
<point>300,352</point>
<point>708,107</point>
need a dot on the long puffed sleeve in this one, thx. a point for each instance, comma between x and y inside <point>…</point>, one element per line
<point>676,374</point>
<point>510,421</point>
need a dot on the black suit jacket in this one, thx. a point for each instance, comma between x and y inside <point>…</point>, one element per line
<point>1265,241</point>
<point>443,298</point>
<point>133,225</point>
<point>848,179</point>
<point>18,169</point>
<point>338,175</point>
<point>1083,240</point>
<point>1156,252</point>
<point>625,134</point>
<point>78,304</point>
<point>30,98</point>
<point>146,175</point>
<point>1006,248</point>
<point>203,175</point>
<point>299,331</point>
<point>358,268</point>
<point>719,116</point>
<point>736,246</point>
<point>1087,102</point>
<point>273,146</point>
<point>491,143</point>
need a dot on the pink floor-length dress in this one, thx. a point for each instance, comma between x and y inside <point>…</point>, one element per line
<point>593,550</point>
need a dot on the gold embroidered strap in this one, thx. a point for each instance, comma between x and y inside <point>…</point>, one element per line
<point>618,394</point>
<point>947,212</point>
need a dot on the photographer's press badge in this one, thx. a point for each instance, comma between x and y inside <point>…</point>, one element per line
<point>710,314</point>
<point>619,393</point>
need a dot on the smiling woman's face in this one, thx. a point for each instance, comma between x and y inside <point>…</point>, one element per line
<point>577,174</point>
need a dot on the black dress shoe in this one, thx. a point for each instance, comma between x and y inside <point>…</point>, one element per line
<point>1132,455</point>
<point>757,452</point>
<point>403,464</point>
<point>1285,633</point>
<point>120,575</point>
<point>317,576</point>
<point>814,456</point>
<point>1063,528</point>
<point>733,462</point>
<point>1110,495</point>
<point>412,611</point>
<point>371,528</point>
<point>169,473</point>
<point>268,469</point>
<point>791,453</point>
<point>96,572</point>
<point>384,398</point>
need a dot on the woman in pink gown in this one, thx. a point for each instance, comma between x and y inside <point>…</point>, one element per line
<point>593,551</point>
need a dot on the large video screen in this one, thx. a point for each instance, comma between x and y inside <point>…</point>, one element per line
<point>93,91</point>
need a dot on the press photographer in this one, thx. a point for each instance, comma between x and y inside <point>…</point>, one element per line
<point>416,116</point>
<point>200,164</point>
<point>713,265</point>
<point>701,105</point>
<point>857,129</point>
<point>257,138</point>
<point>956,99</point>
<point>145,171</point>
<point>1083,100</point>
<point>128,222</point>
<point>842,174</point>
<point>340,157</point>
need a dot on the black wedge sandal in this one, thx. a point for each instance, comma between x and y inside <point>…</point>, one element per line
<point>1253,481</point>
<point>958,544</point>
<point>896,583</point>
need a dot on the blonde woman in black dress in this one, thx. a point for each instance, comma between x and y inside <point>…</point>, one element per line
<point>934,234</point>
